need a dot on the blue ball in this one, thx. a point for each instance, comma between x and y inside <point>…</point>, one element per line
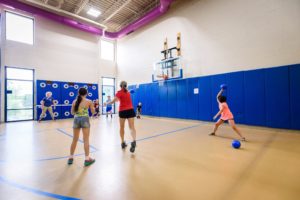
<point>132,91</point>
<point>103,94</point>
<point>236,144</point>
<point>223,86</point>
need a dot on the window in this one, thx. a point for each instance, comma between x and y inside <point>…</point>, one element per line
<point>108,81</point>
<point>107,50</point>
<point>19,28</point>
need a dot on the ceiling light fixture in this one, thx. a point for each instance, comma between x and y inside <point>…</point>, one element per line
<point>93,12</point>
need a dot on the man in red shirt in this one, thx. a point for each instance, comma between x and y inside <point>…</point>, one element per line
<point>126,111</point>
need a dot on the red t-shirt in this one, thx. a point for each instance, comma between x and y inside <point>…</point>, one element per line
<point>125,100</point>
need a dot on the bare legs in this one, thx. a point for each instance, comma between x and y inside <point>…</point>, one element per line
<point>132,128</point>
<point>132,131</point>
<point>231,123</point>
<point>76,132</point>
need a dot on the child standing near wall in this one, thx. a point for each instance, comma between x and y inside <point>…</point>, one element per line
<point>226,115</point>
<point>139,110</point>
<point>46,105</point>
<point>108,107</point>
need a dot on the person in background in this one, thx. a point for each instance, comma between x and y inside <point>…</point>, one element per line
<point>108,107</point>
<point>47,104</point>
<point>97,108</point>
<point>139,110</point>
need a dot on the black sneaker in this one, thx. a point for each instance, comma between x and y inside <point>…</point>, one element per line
<point>133,145</point>
<point>123,145</point>
<point>70,161</point>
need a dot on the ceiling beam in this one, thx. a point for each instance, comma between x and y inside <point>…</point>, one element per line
<point>81,6</point>
<point>116,11</point>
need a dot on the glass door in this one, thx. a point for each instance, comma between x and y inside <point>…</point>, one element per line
<point>108,89</point>
<point>19,95</point>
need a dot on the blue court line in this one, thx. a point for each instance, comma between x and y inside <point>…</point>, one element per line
<point>169,132</point>
<point>66,133</point>
<point>35,191</point>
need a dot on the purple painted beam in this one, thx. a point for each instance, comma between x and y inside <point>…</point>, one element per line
<point>152,15</point>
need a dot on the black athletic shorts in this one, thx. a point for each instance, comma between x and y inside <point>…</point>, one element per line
<point>125,114</point>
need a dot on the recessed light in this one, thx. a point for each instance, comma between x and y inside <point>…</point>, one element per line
<point>93,12</point>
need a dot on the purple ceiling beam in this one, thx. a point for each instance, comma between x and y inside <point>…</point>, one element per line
<point>149,17</point>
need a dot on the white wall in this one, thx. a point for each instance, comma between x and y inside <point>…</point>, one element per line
<point>217,36</point>
<point>60,53</point>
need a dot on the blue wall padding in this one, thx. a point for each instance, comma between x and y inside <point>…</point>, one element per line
<point>205,99</point>
<point>254,85</point>
<point>143,98</point>
<point>216,81</point>
<point>295,96</point>
<point>193,99</point>
<point>182,99</point>
<point>42,88</point>
<point>235,95</point>
<point>163,100</point>
<point>155,100</point>
<point>65,93</point>
<point>172,99</point>
<point>264,97</point>
<point>277,97</point>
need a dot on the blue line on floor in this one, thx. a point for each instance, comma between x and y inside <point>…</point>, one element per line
<point>66,133</point>
<point>35,191</point>
<point>169,132</point>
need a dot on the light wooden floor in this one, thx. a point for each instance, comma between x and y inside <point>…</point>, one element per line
<point>175,159</point>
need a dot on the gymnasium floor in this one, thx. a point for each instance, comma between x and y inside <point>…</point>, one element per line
<point>175,159</point>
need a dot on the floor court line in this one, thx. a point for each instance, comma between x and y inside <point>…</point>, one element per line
<point>35,191</point>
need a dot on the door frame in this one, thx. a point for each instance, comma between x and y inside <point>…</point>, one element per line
<point>114,86</point>
<point>5,93</point>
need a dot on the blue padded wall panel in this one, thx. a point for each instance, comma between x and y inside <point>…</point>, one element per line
<point>205,99</point>
<point>172,98</point>
<point>163,100</point>
<point>42,88</point>
<point>193,99</point>
<point>142,98</point>
<point>295,96</point>
<point>155,99</point>
<point>254,91</point>
<point>216,81</point>
<point>277,97</point>
<point>182,98</point>
<point>235,95</point>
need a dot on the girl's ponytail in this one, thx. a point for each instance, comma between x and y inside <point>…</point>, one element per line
<point>81,92</point>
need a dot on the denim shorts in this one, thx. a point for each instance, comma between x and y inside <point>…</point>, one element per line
<point>81,122</point>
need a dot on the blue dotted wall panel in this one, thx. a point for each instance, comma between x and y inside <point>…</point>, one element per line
<point>205,99</point>
<point>294,72</point>
<point>68,95</point>
<point>277,97</point>
<point>254,91</point>
<point>43,86</point>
